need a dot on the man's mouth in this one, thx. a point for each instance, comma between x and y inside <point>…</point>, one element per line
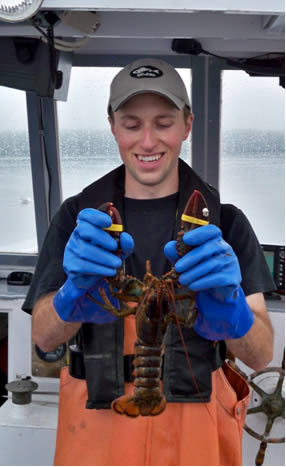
<point>150,158</point>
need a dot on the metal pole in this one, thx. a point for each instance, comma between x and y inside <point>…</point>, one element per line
<point>206,105</point>
<point>44,161</point>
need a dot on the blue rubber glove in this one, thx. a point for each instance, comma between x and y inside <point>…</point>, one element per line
<point>211,268</point>
<point>88,258</point>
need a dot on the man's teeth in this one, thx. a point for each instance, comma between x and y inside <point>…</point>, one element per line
<point>149,158</point>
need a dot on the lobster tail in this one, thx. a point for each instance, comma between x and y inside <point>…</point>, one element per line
<point>147,399</point>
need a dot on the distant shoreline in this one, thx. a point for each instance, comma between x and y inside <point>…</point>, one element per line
<point>88,144</point>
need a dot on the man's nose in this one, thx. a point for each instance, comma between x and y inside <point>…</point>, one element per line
<point>149,139</point>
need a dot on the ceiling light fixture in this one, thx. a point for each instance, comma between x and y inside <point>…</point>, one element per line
<point>14,11</point>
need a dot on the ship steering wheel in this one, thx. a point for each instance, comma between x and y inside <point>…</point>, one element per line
<point>271,404</point>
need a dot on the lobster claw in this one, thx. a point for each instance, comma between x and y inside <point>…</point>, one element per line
<point>116,227</point>
<point>196,214</point>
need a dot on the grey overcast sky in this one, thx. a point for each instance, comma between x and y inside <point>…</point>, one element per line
<point>253,103</point>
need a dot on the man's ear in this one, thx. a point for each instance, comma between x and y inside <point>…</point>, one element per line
<point>189,125</point>
<point>111,123</point>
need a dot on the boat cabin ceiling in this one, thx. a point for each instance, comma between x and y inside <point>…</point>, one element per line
<point>241,29</point>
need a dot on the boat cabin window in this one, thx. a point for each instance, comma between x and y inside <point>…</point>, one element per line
<point>252,151</point>
<point>87,148</point>
<point>18,228</point>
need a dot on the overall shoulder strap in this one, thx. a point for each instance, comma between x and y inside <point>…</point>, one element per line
<point>108,188</point>
<point>104,371</point>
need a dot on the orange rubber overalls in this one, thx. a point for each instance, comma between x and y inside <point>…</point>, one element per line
<point>184,434</point>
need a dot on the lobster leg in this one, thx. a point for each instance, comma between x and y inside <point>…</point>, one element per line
<point>124,310</point>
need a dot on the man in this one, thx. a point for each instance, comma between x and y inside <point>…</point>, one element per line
<point>150,117</point>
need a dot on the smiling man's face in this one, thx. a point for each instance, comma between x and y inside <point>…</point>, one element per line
<point>149,131</point>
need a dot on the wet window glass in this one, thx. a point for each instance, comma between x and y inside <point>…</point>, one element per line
<point>252,164</point>
<point>18,232</point>
<point>87,147</point>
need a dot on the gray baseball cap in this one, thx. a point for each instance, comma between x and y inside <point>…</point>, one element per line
<point>144,76</point>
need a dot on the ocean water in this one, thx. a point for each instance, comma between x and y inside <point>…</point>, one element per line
<point>257,186</point>
<point>251,177</point>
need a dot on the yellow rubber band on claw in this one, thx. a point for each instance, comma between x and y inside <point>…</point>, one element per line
<point>193,220</point>
<point>115,228</point>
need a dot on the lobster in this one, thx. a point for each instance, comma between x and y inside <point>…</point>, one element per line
<point>155,307</point>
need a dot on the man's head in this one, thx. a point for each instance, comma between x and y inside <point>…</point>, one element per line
<point>150,117</point>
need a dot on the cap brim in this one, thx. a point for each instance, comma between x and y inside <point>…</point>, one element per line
<point>179,103</point>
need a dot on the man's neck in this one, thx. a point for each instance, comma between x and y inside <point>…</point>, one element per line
<point>136,190</point>
<point>149,194</point>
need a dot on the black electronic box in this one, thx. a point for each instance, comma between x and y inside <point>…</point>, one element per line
<point>275,258</point>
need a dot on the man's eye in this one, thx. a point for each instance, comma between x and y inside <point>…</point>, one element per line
<point>131,127</point>
<point>164,125</point>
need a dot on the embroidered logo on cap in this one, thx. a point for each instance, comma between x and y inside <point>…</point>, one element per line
<point>147,71</point>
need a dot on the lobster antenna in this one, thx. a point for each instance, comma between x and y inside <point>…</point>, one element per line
<point>172,295</point>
